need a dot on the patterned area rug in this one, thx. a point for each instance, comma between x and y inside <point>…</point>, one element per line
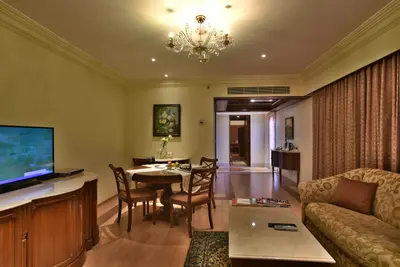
<point>208,249</point>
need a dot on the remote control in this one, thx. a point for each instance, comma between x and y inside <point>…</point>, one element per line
<point>285,227</point>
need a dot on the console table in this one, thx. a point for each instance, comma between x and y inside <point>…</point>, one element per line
<point>287,160</point>
<point>50,224</point>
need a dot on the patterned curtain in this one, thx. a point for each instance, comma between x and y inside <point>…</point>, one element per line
<point>356,120</point>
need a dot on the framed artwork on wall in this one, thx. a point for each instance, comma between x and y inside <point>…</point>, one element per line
<point>167,120</point>
<point>289,128</point>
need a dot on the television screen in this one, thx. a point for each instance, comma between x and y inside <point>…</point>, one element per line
<point>25,153</point>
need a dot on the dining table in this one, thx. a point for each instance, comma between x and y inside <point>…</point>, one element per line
<point>161,177</point>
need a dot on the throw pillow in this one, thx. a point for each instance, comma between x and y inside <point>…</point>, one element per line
<point>354,195</point>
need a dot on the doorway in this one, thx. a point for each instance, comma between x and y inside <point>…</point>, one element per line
<point>239,140</point>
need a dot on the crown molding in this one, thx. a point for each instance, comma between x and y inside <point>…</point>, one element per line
<point>247,80</point>
<point>12,19</point>
<point>381,22</point>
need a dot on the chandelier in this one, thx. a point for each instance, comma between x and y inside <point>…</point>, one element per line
<point>201,43</point>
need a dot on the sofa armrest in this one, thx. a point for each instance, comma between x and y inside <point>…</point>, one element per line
<point>317,191</point>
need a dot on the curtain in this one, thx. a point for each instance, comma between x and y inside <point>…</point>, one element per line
<point>356,120</point>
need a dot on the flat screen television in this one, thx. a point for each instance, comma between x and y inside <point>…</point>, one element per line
<point>25,153</point>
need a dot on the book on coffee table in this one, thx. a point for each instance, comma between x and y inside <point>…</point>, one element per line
<point>261,202</point>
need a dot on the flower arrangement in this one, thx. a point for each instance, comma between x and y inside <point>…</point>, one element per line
<point>164,143</point>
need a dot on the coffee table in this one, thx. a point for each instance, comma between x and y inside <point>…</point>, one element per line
<point>253,243</point>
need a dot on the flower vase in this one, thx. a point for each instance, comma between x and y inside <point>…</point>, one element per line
<point>163,153</point>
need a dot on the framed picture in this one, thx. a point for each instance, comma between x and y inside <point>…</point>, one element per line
<point>167,120</point>
<point>289,128</point>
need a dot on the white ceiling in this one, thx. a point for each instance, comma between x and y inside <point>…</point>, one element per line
<point>125,34</point>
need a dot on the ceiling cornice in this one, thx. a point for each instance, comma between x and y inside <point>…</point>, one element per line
<point>381,22</point>
<point>24,26</point>
<point>249,80</point>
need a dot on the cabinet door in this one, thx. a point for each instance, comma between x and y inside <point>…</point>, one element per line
<point>13,238</point>
<point>55,234</point>
<point>90,227</point>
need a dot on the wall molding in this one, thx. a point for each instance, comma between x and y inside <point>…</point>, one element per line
<point>250,80</point>
<point>13,20</point>
<point>381,22</point>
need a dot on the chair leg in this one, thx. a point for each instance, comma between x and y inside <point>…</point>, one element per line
<point>171,213</point>
<point>148,207</point>
<point>134,204</point>
<point>129,217</point>
<point>154,209</point>
<point>193,210</point>
<point>213,201</point>
<point>190,222</point>
<point>119,210</point>
<point>144,208</point>
<point>210,216</point>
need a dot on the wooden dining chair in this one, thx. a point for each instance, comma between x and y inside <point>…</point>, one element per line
<point>131,196</point>
<point>140,162</point>
<point>143,161</point>
<point>210,163</point>
<point>204,178</point>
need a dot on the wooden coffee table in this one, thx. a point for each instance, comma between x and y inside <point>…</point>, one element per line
<point>253,243</point>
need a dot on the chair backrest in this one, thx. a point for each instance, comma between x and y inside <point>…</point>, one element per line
<point>209,163</point>
<point>143,161</point>
<point>203,177</point>
<point>123,188</point>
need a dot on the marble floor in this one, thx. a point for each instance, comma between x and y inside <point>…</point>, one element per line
<point>162,246</point>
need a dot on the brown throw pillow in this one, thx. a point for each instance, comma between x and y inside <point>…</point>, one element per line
<point>354,195</point>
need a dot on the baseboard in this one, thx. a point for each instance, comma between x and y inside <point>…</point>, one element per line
<point>104,201</point>
<point>261,164</point>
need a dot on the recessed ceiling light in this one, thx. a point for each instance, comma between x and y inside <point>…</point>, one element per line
<point>237,116</point>
<point>252,100</point>
<point>153,59</point>
<point>166,75</point>
<point>270,100</point>
<point>263,55</point>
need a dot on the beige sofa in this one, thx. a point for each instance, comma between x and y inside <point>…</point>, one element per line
<point>352,238</point>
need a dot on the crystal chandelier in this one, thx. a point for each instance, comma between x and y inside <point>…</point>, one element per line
<point>201,43</point>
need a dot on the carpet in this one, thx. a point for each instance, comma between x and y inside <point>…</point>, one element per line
<point>208,249</point>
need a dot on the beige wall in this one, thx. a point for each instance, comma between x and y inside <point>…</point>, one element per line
<point>302,113</point>
<point>196,102</point>
<point>39,87</point>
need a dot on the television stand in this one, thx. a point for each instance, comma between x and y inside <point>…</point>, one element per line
<point>19,185</point>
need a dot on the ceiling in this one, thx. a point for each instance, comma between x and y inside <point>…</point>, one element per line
<point>254,104</point>
<point>125,34</point>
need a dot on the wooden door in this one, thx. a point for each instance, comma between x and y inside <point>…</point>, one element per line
<point>241,140</point>
<point>246,145</point>
<point>56,232</point>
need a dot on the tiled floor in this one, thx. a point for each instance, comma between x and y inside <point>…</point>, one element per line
<point>159,245</point>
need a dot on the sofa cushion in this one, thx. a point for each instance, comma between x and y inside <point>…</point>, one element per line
<point>365,238</point>
<point>354,195</point>
<point>387,198</point>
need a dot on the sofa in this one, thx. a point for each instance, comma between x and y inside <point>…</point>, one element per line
<point>352,238</point>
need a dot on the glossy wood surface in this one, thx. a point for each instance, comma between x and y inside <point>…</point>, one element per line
<point>286,161</point>
<point>51,231</point>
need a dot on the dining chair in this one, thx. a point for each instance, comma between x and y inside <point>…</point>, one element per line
<point>140,162</point>
<point>143,161</point>
<point>203,179</point>
<point>131,196</point>
<point>210,163</point>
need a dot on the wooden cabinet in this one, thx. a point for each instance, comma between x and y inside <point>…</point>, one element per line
<point>286,160</point>
<point>52,231</point>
